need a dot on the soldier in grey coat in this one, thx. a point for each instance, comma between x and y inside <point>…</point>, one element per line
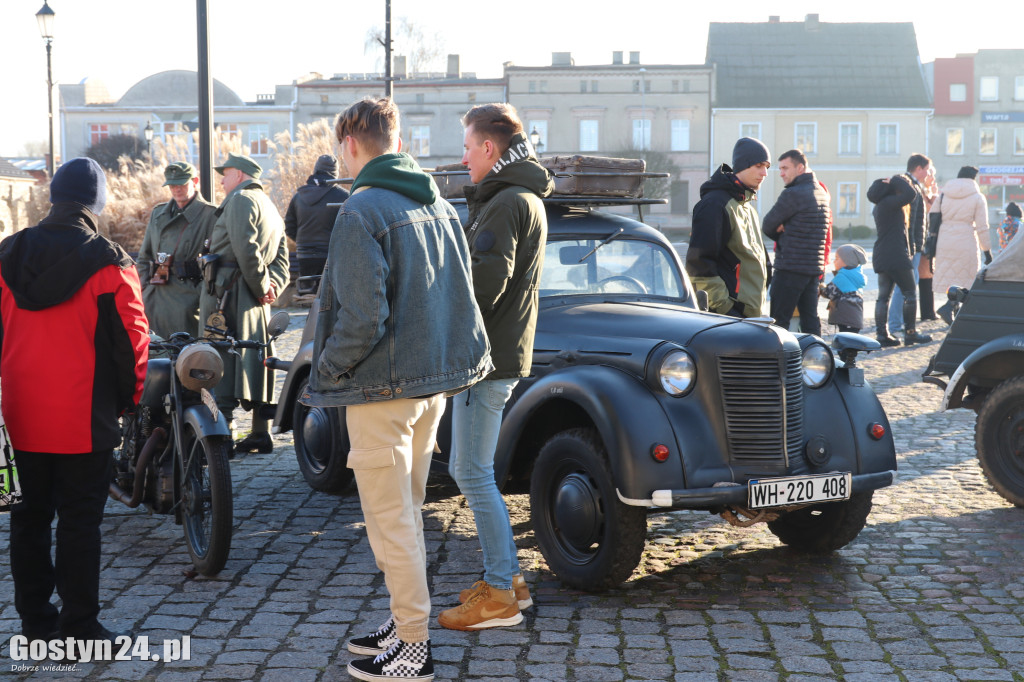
<point>167,265</point>
<point>252,270</point>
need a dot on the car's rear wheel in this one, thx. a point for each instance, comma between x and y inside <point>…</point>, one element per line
<point>823,527</point>
<point>999,439</point>
<point>321,445</point>
<point>590,539</point>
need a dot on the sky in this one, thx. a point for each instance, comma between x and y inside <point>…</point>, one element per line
<point>257,44</point>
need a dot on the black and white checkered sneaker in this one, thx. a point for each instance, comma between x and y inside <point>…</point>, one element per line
<point>377,643</point>
<point>403,661</point>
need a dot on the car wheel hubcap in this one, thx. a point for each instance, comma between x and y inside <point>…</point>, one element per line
<point>316,438</point>
<point>577,512</point>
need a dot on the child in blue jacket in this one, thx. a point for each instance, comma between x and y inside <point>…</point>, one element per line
<point>846,290</point>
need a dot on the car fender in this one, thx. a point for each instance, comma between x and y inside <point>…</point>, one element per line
<point>298,371</point>
<point>626,414</point>
<point>992,362</point>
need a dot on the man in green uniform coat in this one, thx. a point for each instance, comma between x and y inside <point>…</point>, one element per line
<point>167,265</point>
<point>251,272</point>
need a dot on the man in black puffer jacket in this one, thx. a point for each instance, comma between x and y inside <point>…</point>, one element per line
<point>310,217</point>
<point>799,224</point>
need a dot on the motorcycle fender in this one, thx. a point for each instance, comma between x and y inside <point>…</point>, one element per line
<point>298,371</point>
<point>994,361</point>
<point>201,420</point>
<point>625,413</point>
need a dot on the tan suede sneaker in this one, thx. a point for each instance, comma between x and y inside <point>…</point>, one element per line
<point>522,591</point>
<point>486,607</point>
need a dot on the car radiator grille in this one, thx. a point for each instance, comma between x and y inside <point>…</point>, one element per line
<point>763,401</point>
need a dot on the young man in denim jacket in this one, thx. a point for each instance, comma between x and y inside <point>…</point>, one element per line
<point>398,329</point>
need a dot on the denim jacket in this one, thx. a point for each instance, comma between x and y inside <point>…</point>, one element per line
<point>398,318</point>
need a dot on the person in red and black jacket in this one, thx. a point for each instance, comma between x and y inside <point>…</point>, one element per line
<point>73,351</point>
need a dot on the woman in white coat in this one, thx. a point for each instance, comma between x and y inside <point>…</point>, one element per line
<point>964,229</point>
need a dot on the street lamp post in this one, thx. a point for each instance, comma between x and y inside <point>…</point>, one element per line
<point>45,17</point>
<point>148,133</point>
<point>643,108</point>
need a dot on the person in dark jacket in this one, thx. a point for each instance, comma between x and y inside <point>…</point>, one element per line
<point>893,250</point>
<point>73,352</point>
<point>921,176</point>
<point>507,232</point>
<point>798,223</point>
<point>310,216</point>
<point>726,255</point>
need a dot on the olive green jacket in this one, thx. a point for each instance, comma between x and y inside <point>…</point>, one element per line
<point>174,306</point>
<point>507,231</point>
<point>249,238</point>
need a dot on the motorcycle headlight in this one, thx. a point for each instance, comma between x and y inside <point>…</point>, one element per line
<point>677,373</point>
<point>817,365</point>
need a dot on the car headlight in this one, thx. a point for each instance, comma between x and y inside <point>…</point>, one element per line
<point>677,373</point>
<point>817,365</point>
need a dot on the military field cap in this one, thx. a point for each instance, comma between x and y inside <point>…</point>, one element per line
<point>242,163</point>
<point>179,173</point>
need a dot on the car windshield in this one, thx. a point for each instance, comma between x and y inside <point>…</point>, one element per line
<point>620,266</point>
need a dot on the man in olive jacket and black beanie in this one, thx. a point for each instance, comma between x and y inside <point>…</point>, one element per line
<point>507,231</point>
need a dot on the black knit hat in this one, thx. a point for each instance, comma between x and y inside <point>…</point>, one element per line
<point>1013,209</point>
<point>80,181</point>
<point>326,165</point>
<point>749,152</point>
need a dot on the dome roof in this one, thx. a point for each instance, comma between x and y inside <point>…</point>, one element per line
<point>176,88</point>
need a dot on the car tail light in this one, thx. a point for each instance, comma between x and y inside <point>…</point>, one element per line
<point>660,452</point>
<point>877,431</point>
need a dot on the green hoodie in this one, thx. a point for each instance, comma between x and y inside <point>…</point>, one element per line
<point>506,234</point>
<point>398,173</point>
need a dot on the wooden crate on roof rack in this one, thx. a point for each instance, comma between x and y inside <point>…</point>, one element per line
<point>597,175</point>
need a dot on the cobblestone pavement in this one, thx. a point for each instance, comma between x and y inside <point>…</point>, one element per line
<point>931,590</point>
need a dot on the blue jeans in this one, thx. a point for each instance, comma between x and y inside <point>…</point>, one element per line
<point>476,420</point>
<point>896,306</point>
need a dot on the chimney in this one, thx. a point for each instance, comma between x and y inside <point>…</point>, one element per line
<point>774,19</point>
<point>811,22</point>
<point>561,59</point>
<point>634,57</point>
<point>454,68</point>
<point>617,57</point>
<point>400,68</point>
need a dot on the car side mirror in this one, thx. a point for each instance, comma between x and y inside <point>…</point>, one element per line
<point>278,323</point>
<point>702,300</point>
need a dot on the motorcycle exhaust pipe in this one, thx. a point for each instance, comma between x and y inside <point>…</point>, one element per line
<point>157,441</point>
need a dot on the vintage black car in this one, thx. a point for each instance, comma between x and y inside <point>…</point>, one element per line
<point>640,402</point>
<point>980,366</point>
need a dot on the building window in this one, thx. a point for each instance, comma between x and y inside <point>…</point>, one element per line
<point>532,87</point>
<point>636,86</point>
<point>642,133</point>
<point>675,86</point>
<point>419,98</point>
<point>849,195</point>
<point>1018,88</point>
<point>888,138</point>
<point>228,129</point>
<point>324,99</point>
<point>419,141</point>
<point>679,196</point>
<point>987,141</point>
<point>471,96</point>
<point>957,92</point>
<point>1018,141</point>
<point>588,136</point>
<point>543,86</point>
<point>989,90</point>
<point>750,130</point>
<point>593,86</point>
<point>259,139</point>
<point>97,132</point>
<point>805,137</point>
<point>583,86</point>
<point>849,139</point>
<point>541,126</point>
<point>954,141</point>
<point>680,129</point>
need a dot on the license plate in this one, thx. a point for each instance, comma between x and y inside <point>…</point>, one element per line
<point>780,492</point>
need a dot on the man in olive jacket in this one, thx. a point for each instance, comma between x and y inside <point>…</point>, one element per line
<point>170,276</point>
<point>507,232</point>
<point>799,224</point>
<point>251,272</point>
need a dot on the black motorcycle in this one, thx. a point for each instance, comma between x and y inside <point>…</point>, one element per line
<point>176,443</point>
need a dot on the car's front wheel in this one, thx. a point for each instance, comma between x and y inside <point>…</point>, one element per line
<point>999,439</point>
<point>823,527</point>
<point>590,539</point>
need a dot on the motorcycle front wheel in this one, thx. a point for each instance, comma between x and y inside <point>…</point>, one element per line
<point>206,503</point>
